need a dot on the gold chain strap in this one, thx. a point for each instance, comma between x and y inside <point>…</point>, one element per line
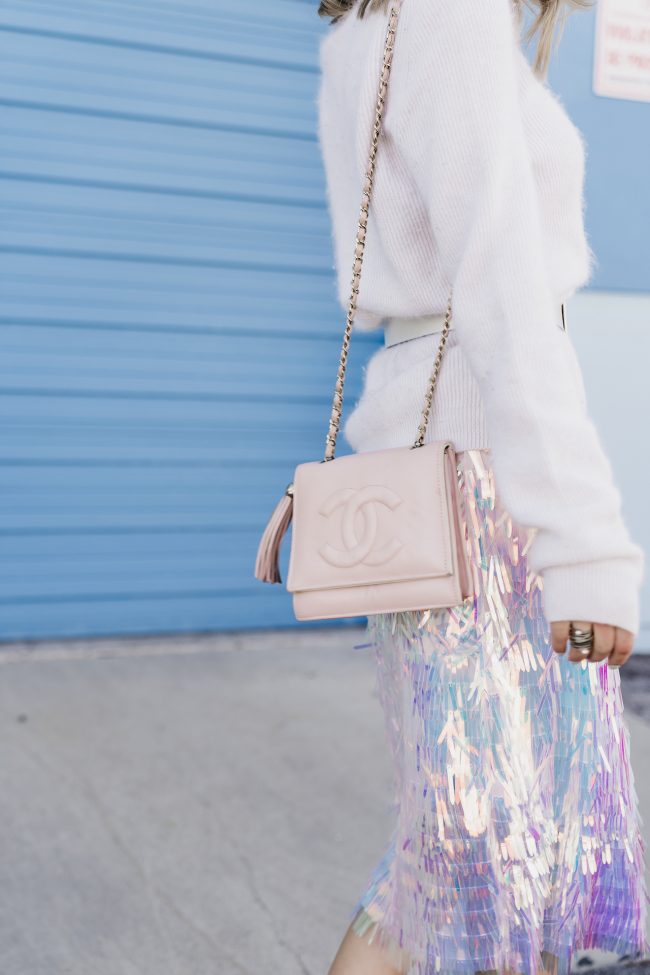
<point>337,401</point>
<point>433,379</point>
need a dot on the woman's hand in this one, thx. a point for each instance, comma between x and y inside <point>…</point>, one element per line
<point>611,643</point>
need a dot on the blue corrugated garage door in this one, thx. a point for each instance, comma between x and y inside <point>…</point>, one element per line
<point>168,332</point>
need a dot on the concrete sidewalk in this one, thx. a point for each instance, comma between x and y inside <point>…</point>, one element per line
<point>195,806</point>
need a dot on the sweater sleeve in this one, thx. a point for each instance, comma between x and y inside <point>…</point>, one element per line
<point>552,472</point>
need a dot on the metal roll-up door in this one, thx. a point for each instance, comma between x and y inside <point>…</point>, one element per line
<point>169,332</point>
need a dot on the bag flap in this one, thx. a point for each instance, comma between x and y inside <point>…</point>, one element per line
<point>370,518</point>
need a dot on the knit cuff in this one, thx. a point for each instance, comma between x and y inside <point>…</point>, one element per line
<point>598,592</point>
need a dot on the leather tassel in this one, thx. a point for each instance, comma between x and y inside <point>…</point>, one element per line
<point>267,563</point>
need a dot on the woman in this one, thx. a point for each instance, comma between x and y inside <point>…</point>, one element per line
<point>517,833</point>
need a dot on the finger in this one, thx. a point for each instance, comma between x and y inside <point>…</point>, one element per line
<point>559,635</point>
<point>604,636</point>
<point>575,656</point>
<point>623,647</point>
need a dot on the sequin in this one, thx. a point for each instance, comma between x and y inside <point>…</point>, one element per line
<point>517,836</point>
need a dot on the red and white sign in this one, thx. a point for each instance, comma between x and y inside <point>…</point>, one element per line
<point>622,55</point>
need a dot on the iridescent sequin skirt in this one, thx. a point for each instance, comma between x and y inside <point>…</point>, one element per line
<point>517,836</point>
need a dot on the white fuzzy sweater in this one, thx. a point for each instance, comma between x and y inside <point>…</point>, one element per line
<point>479,183</point>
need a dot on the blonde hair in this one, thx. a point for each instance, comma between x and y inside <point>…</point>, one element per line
<point>546,26</point>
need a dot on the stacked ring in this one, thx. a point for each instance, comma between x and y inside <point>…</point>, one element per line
<point>581,640</point>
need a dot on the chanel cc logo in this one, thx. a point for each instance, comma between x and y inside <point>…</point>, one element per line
<point>360,505</point>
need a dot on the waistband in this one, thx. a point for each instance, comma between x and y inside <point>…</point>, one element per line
<point>402,329</point>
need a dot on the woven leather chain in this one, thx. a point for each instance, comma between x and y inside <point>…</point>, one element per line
<point>337,401</point>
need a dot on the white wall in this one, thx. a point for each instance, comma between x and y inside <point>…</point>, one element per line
<point>611,332</point>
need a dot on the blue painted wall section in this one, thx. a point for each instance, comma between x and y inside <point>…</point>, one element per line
<point>168,332</point>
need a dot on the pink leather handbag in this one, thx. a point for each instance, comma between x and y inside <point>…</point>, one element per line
<point>380,531</point>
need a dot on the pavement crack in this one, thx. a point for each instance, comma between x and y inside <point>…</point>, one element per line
<point>197,929</point>
<point>261,903</point>
<point>255,893</point>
